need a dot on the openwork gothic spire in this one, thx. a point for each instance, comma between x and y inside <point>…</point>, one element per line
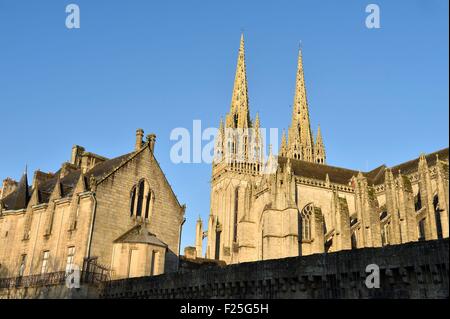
<point>239,116</point>
<point>239,141</point>
<point>300,137</point>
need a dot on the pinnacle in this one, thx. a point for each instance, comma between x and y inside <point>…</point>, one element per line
<point>239,115</point>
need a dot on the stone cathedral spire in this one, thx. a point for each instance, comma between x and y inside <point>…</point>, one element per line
<point>283,147</point>
<point>239,139</point>
<point>239,116</point>
<point>300,137</point>
<point>319,149</point>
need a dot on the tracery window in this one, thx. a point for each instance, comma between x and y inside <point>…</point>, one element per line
<point>305,221</point>
<point>141,200</point>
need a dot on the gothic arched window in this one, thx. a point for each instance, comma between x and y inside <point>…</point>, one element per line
<point>132,201</point>
<point>218,236</point>
<point>142,200</point>
<point>235,217</point>
<point>148,202</point>
<point>417,202</point>
<point>305,221</point>
<point>437,215</point>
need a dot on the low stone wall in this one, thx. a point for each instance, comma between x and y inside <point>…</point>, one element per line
<point>413,270</point>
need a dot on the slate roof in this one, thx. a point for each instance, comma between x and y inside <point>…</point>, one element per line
<point>317,171</point>
<point>19,199</point>
<point>411,166</point>
<point>343,176</point>
<point>16,200</point>
<point>140,235</point>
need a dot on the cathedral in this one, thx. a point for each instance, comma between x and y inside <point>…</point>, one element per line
<point>294,204</point>
<point>120,216</point>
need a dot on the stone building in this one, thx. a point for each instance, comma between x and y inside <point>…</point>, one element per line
<point>295,204</point>
<point>118,214</point>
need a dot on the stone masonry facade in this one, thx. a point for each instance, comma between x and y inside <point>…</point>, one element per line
<point>294,204</point>
<point>118,217</point>
<point>286,226</point>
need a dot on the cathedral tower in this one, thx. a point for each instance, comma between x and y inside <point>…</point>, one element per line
<point>237,164</point>
<point>297,205</point>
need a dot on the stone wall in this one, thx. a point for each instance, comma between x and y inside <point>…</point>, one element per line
<point>413,270</point>
<point>13,244</point>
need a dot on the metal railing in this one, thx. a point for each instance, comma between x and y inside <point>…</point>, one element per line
<point>48,279</point>
<point>51,279</point>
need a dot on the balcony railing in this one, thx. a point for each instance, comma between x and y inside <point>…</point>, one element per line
<point>51,279</point>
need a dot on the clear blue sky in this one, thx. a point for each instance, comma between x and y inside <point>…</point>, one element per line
<point>380,96</point>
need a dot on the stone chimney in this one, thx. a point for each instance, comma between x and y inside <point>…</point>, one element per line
<point>9,185</point>
<point>151,140</point>
<point>139,137</point>
<point>77,152</point>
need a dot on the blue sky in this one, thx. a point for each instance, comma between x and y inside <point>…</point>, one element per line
<point>380,95</point>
